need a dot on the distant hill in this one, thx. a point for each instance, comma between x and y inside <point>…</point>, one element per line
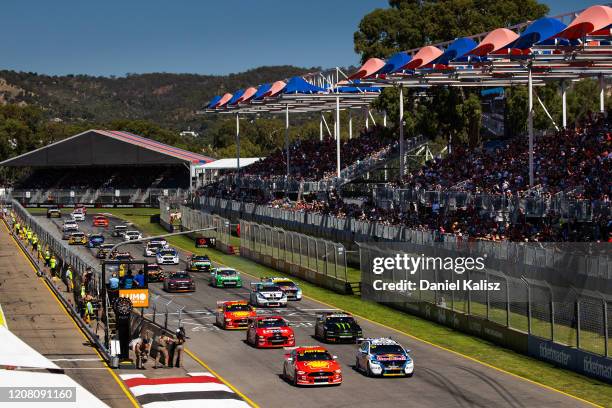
<point>169,100</point>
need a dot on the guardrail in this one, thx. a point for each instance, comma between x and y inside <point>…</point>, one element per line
<point>65,256</point>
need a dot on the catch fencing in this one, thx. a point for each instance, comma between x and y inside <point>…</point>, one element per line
<point>556,292</point>
<point>194,219</point>
<point>102,196</point>
<point>313,259</point>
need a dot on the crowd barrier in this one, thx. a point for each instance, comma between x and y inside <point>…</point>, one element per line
<point>96,197</point>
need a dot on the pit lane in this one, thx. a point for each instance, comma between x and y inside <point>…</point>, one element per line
<point>441,379</point>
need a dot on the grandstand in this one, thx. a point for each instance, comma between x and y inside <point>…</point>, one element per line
<point>103,167</point>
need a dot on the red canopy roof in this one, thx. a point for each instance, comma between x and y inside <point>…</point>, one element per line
<point>592,19</point>
<point>423,57</point>
<point>370,67</point>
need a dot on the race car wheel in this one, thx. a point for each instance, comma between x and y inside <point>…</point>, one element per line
<point>368,371</point>
<point>295,380</point>
<point>357,365</point>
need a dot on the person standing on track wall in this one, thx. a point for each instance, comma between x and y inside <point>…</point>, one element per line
<point>69,279</point>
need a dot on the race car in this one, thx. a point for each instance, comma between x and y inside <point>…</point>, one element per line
<point>200,263</point>
<point>100,221</point>
<point>293,291</point>
<point>132,235</point>
<point>312,366</point>
<point>225,277</point>
<point>122,256</point>
<point>78,215</point>
<point>179,282</point>
<point>167,256</point>
<point>337,327</point>
<point>67,231</point>
<point>70,223</point>
<point>383,357</point>
<point>119,230</point>
<point>155,273</point>
<point>103,250</point>
<point>270,331</point>
<point>267,294</point>
<point>54,212</point>
<point>234,314</point>
<point>95,240</point>
<point>80,208</point>
<point>77,238</point>
<point>151,249</point>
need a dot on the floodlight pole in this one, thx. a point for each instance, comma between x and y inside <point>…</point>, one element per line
<point>367,119</point>
<point>385,118</point>
<point>602,93</point>
<point>530,129</point>
<point>401,130</point>
<point>321,128</point>
<point>564,102</point>
<point>338,135</point>
<point>350,115</point>
<point>238,146</point>
<point>287,139</point>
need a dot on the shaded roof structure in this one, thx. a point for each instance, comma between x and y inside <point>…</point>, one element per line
<point>106,148</point>
<point>230,163</point>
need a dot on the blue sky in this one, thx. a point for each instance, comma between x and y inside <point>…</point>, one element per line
<point>197,36</point>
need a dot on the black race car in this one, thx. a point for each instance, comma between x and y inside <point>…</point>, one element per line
<point>337,327</point>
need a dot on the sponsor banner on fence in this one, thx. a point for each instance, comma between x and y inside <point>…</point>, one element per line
<point>570,358</point>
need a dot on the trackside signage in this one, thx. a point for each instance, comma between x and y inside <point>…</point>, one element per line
<point>586,363</point>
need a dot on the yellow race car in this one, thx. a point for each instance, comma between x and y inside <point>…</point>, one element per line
<point>77,238</point>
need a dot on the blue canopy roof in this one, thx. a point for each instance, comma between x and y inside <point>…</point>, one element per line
<point>540,30</point>
<point>299,85</point>
<point>457,49</point>
<point>262,90</point>
<point>237,95</point>
<point>395,63</point>
<point>214,101</point>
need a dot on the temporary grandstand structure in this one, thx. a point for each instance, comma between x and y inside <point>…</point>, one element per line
<point>296,95</point>
<point>545,50</point>
<point>96,148</point>
<point>206,172</point>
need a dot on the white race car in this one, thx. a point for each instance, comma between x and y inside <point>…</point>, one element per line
<point>78,215</point>
<point>267,294</point>
<point>132,235</point>
<point>383,357</point>
<point>167,256</point>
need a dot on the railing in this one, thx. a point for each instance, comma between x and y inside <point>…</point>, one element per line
<point>102,196</point>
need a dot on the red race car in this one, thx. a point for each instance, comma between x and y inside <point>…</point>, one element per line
<point>234,314</point>
<point>312,366</point>
<point>270,331</point>
<point>100,221</point>
<point>81,208</point>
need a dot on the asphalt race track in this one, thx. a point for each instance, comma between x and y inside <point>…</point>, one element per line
<point>441,379</point>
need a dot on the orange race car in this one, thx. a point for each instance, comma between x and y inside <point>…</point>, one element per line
<point>270,331</point>
<point>312,366</point>
<point>234,314</point>
<point>100,221</point>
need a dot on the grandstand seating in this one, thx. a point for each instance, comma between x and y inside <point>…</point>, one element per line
<point>576,163</point>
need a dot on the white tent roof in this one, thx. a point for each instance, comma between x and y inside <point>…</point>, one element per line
<point>16,353</point>
<point>229,164</point>
<point>17,379</point>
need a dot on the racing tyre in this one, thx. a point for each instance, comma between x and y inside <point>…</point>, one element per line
<point>410,375</point>
<point>368,372</point>
<point>295,380</point>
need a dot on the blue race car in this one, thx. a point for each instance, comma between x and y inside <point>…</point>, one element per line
<point>95,241</point>
<point>383,357</point>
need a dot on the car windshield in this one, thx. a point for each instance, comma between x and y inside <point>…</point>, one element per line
<point>180,276</point>
<point>70,227</point>
<point>120,228</point>
<point>313,355</point>
<point>167,252</point>
<point>227,272</point>
<point>78,234</point>
<point>269,288</point>
<point>132,232</point>
<point>277,322</point>
<point>340,319</point>
<point>96,237</point>
<point>386,349</point>
<point>201,258</point>
<point>106,246</point>
<point>238,308</point>
<point>285,283</point>
<point>155,245</point>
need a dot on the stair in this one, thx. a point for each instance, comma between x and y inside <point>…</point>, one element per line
<point>355,287</point>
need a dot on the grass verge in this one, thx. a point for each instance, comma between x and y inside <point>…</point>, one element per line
<point>591,390</point>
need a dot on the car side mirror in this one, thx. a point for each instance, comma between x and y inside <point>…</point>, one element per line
<point>335,357</point>
<point>290,359</point>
